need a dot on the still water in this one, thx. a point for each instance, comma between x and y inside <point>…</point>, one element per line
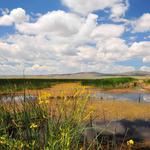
<point>142,97</point>
<point>18,98</point>
<point>136,97</point>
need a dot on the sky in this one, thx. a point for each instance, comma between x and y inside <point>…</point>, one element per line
<point>42,37</point>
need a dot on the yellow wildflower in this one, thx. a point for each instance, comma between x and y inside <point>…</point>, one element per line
<point>44,95</point>
<point>46,101</point>
<point>21,145</point>
<point>33,126</point>
<point>81,148</point>
<point>2,140</point>
<point>41,102</point>
<point>130,142</point>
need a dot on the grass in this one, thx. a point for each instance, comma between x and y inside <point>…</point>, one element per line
<point>42,124</point>
<point>13,85</point>
<point>8,85</point>
<point>116,110</point>
<point>147,81</point>
<point>120,82</point>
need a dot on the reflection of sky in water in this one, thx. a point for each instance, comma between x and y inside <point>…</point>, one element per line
<point>124,96</point>
<point>18,98</point>
<point>146,98</point>
<point>108,96</point>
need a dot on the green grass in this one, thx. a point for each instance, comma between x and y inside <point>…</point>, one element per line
<point>13,85</point>
<point>147,81</point>
<point>20,84</point>
<point>110,82</point>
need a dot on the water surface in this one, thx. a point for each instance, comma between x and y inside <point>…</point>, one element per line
<point>139,97</point>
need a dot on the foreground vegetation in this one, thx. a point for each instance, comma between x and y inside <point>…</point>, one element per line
<point>61,123</point>
<point>41,125</point>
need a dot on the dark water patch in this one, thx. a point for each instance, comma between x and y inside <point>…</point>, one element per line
<point>119,131</point>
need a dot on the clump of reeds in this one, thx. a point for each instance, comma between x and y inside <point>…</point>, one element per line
<point>47,124</point>
<point>119,82</point>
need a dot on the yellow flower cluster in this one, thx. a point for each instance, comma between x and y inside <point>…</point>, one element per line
<point>33,126</point>
<point>43,102</point>
<point>43,98</point>
<point>130,142</point>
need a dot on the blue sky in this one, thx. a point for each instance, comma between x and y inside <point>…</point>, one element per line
<point>42,36</point>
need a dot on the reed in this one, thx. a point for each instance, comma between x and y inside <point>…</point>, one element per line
<point>42,124</point>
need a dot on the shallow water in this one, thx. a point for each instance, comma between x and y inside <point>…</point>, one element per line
<point>18,98</point>
<point>139,97</point>
<point>136,97</point>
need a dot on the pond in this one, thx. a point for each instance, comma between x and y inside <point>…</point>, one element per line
<point>136,97</point>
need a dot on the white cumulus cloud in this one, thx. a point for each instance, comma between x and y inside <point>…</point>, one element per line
<point>84,7</point>
<point>61,42</point>
<point>108,30</point>
<point>55,22</point>
<point>142,24</point>
<point>17,15</point>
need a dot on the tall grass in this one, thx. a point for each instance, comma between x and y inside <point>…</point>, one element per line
<point>120,82</point>
<point>147,81</point>
<point>13,85</point>
<point>43,124</point>
<point>8,85</point>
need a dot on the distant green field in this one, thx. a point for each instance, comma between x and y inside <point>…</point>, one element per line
<point>8,85</point>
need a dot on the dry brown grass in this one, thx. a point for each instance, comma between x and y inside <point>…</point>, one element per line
<point>108,109</point>
<point>68,89</point>
<point>120,110</point>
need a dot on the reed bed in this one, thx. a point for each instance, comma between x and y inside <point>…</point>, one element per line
<point>13,85</point>
<point>120,82</point>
